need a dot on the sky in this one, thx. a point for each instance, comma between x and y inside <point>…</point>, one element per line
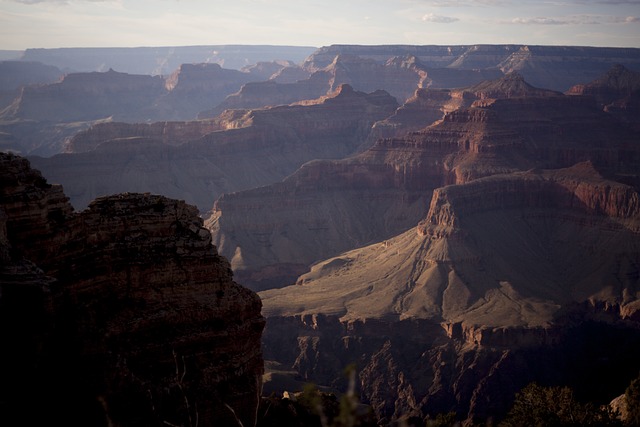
<point>132,23</point>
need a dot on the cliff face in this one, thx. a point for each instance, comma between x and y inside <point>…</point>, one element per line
<point>163,60</point>
<point>135,312</point>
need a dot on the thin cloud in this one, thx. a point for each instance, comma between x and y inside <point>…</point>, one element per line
<point>439,19</point>
<point>462,3</point>
<point>629,19</point>
<point>539,21</point>
<point>576,20</point>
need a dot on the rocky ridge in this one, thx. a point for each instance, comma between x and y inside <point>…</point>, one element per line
<point>129,305</point>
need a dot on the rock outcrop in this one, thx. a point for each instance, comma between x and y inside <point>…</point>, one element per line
<point>89,96</point>
<point>128,304</point>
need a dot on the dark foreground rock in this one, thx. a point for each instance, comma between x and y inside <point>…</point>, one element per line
<point>122,314</point>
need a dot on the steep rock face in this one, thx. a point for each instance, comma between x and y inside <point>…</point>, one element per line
<point>259,147</point>
<point>264,70</point>
<point>457,314</point>
<point>412,368</point>
<point>148,326</point>
<point>400,76</point>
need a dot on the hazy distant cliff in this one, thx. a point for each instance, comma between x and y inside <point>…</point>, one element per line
<point>249,149</point>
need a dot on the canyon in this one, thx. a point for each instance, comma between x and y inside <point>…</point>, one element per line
<point>453,221</point>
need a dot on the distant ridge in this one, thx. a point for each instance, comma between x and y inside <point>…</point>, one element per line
<point>163,60</point>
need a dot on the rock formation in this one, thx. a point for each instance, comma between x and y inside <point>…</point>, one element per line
<point>618,91</point>
<point>328,207</point>
<point>127,304</point>
<point>85,98</point>
<point>491,291</point>
<point>399,76</point>
<point>257,147</point>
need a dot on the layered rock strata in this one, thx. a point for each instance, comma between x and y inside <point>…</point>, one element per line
<point>133,310</point>
<point>497,287</point>
<point>384,190</point>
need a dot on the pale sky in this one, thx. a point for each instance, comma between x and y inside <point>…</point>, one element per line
<point>131,23</point>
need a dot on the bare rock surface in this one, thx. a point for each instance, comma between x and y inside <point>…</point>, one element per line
<point>132,308</point>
